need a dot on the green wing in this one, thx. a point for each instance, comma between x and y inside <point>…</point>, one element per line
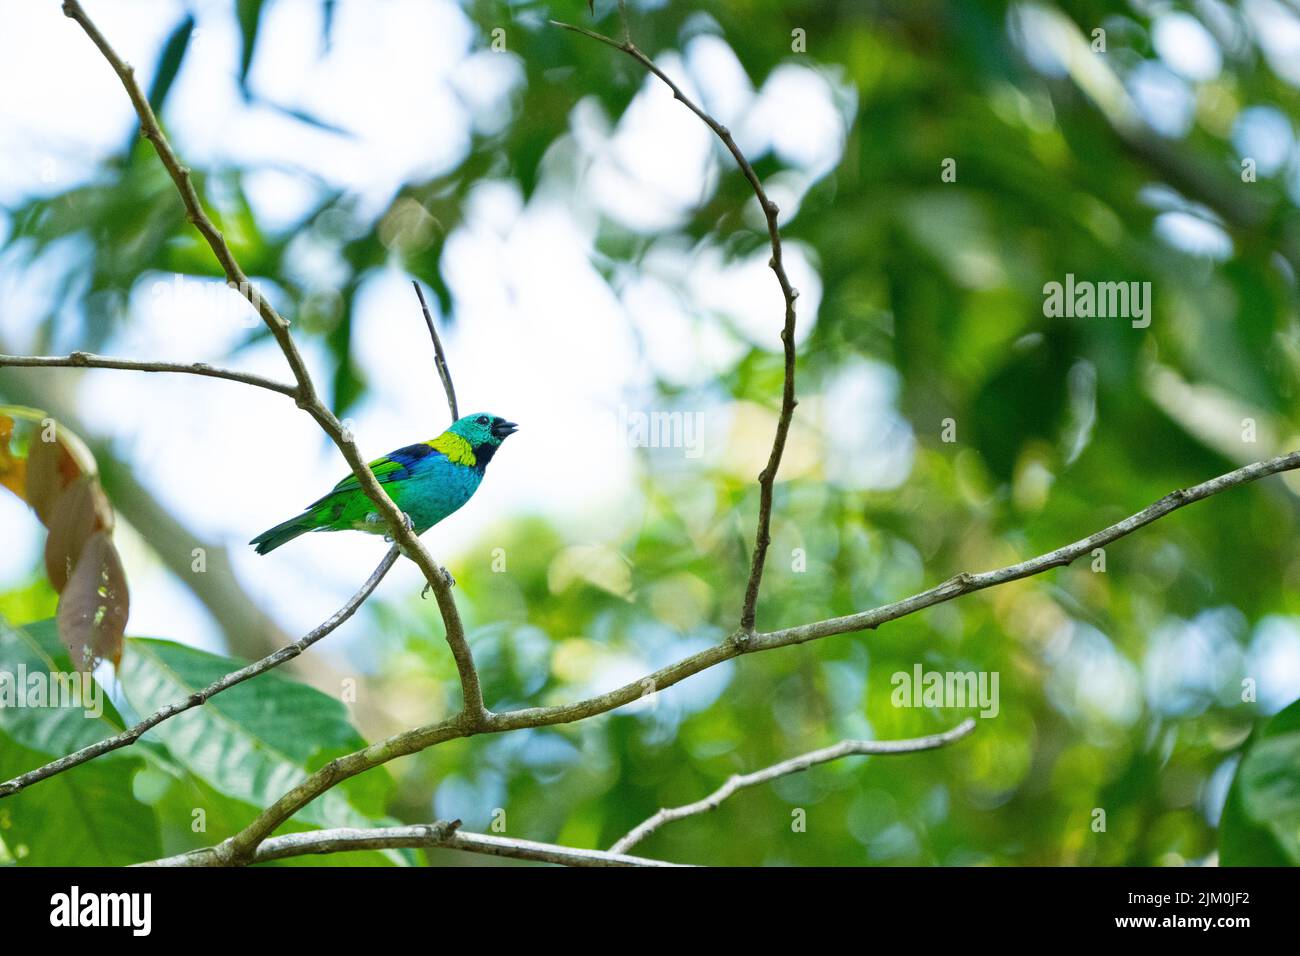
<point>394,466</point>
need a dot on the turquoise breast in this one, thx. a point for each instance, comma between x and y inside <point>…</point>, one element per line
<point>435,489</point>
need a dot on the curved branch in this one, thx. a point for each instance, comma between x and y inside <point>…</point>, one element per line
<point>845,748</point>
<point>242,846</point>
<point>87,360</point>
<point>767,477</point>
<point>442,835</point>
<point>132,734</point>
<point>306,396</point>
<point>439,356</point>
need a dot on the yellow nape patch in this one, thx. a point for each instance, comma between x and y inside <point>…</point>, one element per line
<point>457,449</point>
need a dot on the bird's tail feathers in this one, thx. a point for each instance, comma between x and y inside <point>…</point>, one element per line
<point>283,533</point>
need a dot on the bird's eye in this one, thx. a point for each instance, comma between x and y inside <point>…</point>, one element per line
<point>482,420</point>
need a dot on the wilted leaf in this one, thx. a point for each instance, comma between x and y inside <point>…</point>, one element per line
<point>77,513</point>
<point>52,465</point>
<point>13,470</point>
<point>94,605</point>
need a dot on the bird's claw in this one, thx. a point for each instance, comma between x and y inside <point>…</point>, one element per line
<point>446,576</point>
<point>406,520</point>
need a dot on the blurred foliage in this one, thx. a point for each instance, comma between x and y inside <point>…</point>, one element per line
<point>1120,691</point>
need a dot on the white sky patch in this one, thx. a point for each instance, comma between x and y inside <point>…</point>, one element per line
<point>1194,235</point>
<point>634,175</point>
<point>1264,134</point>
<point>726,90</point>
<point>1090,679</point>
<point>1163,99</point>
<point>796,114</point>
<point>24,538</point>
<point>1274,662</point>
<point>1186,46</point>
<point>869,444</point>
<point>747,294</point>
<point>1277,30</point>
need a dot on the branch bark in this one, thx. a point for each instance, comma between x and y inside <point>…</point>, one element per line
<point>444,835</point>
<point>132,734</point>
<point>87,360</point>
<point>738,782</point>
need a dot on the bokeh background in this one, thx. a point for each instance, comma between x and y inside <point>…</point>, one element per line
<point>592,255</point>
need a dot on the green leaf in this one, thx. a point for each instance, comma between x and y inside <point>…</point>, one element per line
<point>169,63</point>
<point>87,816</point>
<point>36,649</point>
<point>1261,819</point>
<point>249,13</point>
<point>194,815</point>
<point>257,740</point>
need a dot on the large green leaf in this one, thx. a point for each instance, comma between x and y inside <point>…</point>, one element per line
<point>193,815</point>
<point>258,739</point>
<point>1261,819</point>
<point>87,816</point>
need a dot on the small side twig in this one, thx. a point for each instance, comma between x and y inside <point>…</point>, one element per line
<point>767,477</point>
<point>846,748</point>
<point>439,356</point>
<point>87,360</point>
<point>132,734</point>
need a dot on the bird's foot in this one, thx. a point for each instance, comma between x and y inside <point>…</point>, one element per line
<point>406,520</point>
<point>446,576</point>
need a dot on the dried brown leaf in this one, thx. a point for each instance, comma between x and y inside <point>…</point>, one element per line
<point>13,470</point>
<point>55,458</point>
<point>94,605</point>
<point>78,512</point>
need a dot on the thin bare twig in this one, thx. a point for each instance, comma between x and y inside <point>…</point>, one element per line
<point>242,845</point>
<point>474,711</point>
<point>132,734</point>
<point>845,748</point>
<point>443,834</point>
<point>767,477</point>
<point>439,356</point>
<point>87,360</point>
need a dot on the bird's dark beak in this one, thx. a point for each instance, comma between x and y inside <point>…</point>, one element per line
<point>503,429</point>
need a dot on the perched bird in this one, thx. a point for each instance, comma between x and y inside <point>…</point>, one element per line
<point>427,481</point>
